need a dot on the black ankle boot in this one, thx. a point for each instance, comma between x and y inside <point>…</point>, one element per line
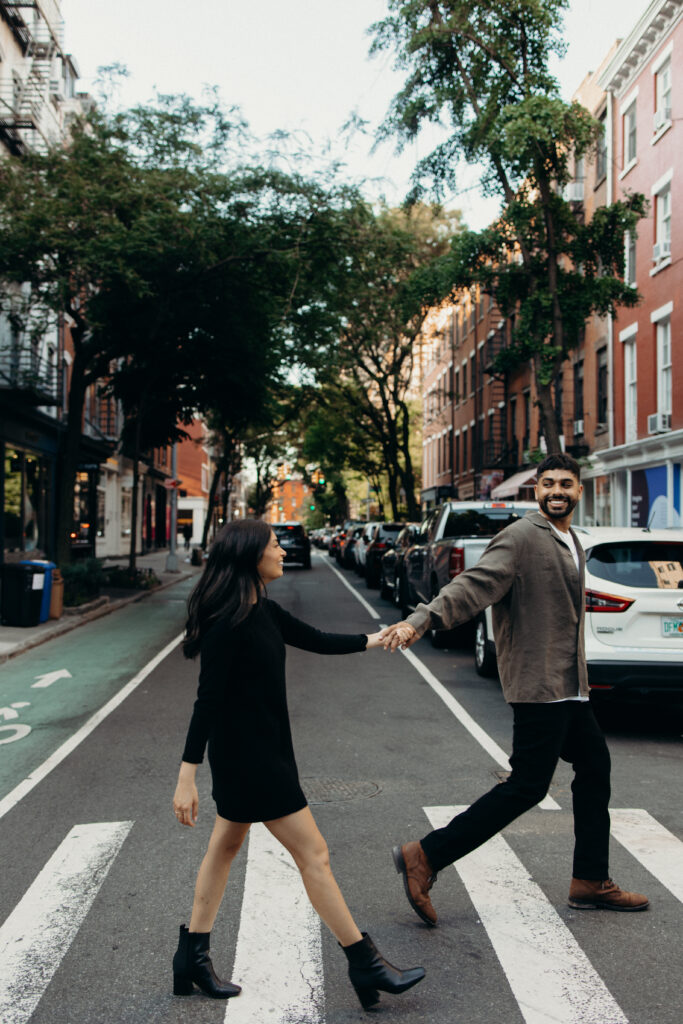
<point>192,965</point>
<point>371,974</point>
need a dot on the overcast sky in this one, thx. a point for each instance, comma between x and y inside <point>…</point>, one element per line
<point>297,65</point>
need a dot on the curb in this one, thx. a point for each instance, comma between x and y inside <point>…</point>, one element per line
<point>100,609</point>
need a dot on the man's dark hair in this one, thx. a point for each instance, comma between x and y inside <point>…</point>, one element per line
<point>559,461</point>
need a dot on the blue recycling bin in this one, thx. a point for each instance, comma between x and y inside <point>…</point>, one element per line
<point>47,568</point>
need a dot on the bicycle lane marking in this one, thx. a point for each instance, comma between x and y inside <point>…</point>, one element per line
<point>453,705</point>
<point>66,748</point>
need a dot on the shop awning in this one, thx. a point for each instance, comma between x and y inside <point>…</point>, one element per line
<point>510,487</point>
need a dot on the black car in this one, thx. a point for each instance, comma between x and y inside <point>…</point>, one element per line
<point>383,539</point>
<point>392,563</point>
<point>295,543</point>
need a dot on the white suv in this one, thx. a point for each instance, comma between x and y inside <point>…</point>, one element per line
<point>634,610</point>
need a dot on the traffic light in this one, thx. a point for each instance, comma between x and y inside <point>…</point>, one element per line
<point>312,508</point>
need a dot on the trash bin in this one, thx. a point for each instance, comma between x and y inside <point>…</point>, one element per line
<point>197,557</point>
<point>57,596</point>
<point>47,568</point>
<point>23,586</point>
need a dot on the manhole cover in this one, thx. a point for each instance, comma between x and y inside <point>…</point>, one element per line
<point>325,791</point>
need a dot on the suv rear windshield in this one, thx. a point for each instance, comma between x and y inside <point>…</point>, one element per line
<point>476,522</point>
<point>295,530</point>
<point>641,563</point>
<point>385,528</point>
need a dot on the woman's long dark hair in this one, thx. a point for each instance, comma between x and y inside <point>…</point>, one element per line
<point>230,579</point>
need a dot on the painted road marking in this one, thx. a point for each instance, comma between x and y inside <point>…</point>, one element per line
<point>657,849</point>
<point>51,677</point>
<point>286,985</point>
<point>453,705</point>
<point>40,929</point>
<point>550,976</point>
<point>56,758</point>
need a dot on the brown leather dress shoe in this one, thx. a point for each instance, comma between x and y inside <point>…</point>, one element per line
<point>585,894</point>
<point>418,878</point>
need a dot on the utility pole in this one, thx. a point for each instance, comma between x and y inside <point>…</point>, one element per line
<point>172,558</point>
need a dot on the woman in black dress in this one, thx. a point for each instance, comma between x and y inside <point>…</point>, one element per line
<point>241,711</point>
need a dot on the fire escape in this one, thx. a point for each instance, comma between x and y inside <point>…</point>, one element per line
<point>25,87</point>
<point>496,451</point>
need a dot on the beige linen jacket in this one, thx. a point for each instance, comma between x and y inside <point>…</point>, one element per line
<point>529,576</point>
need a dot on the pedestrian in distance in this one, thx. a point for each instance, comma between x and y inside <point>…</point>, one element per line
<point>241,711</point>
<point>187,535</point>
<point>532,573</point>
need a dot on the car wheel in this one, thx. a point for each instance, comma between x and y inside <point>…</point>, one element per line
<point>371,581</point>
<point>485,661</point>
<point>385,592</point>
<point>403,598</point>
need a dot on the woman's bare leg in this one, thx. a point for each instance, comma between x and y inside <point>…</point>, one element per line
<point>224,845</point>
<point>300,835</point>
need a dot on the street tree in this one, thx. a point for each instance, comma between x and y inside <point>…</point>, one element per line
<point>480,69</point>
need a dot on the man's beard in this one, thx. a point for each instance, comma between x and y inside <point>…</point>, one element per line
<point>553,513</point>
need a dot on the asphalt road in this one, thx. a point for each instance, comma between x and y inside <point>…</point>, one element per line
<point>97,875</point>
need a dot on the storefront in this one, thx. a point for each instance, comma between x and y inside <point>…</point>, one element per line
<point>28,482</point>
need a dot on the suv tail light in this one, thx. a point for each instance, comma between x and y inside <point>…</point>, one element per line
<point>380,545</point>
<point>598,602</point>
<point>456,562</point>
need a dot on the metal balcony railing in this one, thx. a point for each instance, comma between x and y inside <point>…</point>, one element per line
<point>26,373</point>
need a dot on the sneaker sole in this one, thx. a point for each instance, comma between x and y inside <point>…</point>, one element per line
<point>592,905</point>
<point>400,866</point>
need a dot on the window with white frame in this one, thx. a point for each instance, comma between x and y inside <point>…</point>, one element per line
<point>630,390</point>
<point>630,140</point>
<point>630,258</point>
<point>663,95</point>
<point>664,365</point>
<point>663,214</point>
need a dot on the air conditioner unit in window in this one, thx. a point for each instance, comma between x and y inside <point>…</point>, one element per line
<point>659,423</point>
<point>573,192</point>
<point>662,117</point>
<point>661,251</point>
<point>578,427</point>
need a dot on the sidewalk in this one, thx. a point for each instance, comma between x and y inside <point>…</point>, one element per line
<point>17,639</point>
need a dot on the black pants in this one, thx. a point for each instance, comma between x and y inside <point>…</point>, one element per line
<point>542,734</point>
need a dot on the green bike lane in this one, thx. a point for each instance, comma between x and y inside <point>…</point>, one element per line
<point>49,692</point>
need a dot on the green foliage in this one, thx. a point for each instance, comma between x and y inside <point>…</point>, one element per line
<point>82,581</point>
<point>119,576</point>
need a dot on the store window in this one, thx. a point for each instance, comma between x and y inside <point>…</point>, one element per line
<point>26,500</point>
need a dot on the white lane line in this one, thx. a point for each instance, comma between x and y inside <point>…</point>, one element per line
<point>359,597</point>
<point>550,976</point>
<point>466,720</point>
<point>286,986</point>
<point>453,705</point>
<point>57,756</point>
<point>40,929</point>
<point>657,849</point>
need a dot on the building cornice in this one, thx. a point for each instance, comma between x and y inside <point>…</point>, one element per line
<point>636,454</point>
<point>636,50</point>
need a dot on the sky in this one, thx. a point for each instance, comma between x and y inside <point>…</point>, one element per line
<point>301,66</point>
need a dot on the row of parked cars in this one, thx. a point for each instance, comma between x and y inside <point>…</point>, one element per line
<point>634,586</point>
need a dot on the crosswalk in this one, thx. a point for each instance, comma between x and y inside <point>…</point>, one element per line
<point>551,978</point>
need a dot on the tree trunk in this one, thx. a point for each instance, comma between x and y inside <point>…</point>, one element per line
<point>70,456</point>
<point>209,512</point>
<point>544,398</point>
<point>134,500</point>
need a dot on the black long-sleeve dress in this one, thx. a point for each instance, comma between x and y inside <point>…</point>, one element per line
<point>241,710</point>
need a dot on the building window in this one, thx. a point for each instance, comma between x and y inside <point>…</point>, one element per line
<point>472,375</point>
<point>663,96</point>
<point>465,462</point>
<point>630,258</point>
<point>629,135</point>
<point>578,390</point>
<point>664,366</point>
<point>457,454</point>
<point>601,157</point>
<point>630,390</point>
<point>602,386</point>
<point>662,249</point>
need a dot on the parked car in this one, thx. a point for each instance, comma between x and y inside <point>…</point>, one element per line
<point>346,557</point>
<point>341,535</point>
<point>295,543</point>
<point>391,565</point>
<point>634,611</point>
<point>452,538</point>
<point>383,537</point>
<point>361,548</point>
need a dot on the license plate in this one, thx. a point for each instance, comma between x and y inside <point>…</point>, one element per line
<point>672,627</point>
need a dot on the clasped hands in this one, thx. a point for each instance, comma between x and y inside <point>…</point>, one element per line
<point>401,634</point>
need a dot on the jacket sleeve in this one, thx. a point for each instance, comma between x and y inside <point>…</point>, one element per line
<point>475,589</point>
<point>299,634</point>
<point>216,660</point>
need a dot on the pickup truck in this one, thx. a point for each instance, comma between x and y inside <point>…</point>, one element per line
<point>451,539</point>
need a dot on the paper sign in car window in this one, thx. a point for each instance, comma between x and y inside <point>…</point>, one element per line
<point>669,575</point>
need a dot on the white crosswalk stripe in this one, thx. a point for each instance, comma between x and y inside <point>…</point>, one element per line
<point>286,984</point>
<point>654,846</point>
<point>550,976</point>
<point>40,929</point>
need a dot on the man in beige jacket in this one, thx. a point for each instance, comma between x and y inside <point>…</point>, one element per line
<point>532,573</point>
